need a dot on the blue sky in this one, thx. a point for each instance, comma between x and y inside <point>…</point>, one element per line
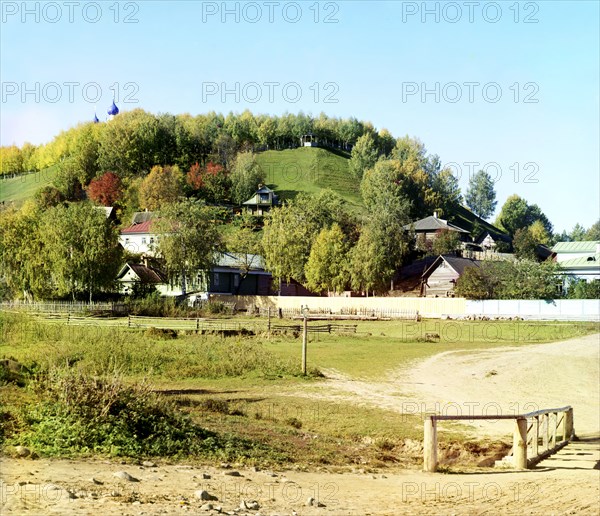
<point>531,69</point>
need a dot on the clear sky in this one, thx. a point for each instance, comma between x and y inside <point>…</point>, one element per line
<point>513,86</point>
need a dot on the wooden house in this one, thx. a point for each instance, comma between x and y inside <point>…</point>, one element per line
<point>262,201</point>
<point>440,278</point>
<point>429,226</point>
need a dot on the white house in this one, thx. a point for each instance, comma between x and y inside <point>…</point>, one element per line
<point>579,259</point>
<point>572,250</point>
<point>139,238</point>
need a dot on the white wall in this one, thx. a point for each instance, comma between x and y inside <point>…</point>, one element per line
<point>137,243</point>
<point>559,309</point>
<point>562,309</point>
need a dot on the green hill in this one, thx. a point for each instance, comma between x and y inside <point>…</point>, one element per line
<point>19,189</point>
<point>309,169</point>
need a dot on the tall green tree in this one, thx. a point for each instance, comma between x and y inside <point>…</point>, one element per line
<point>23,262</point>
<point>370,266</point>
<point>363,156</point>
<point>524,244</point>
<point>289,232</point>
<point>245,177</point>
<point>481,196</point>
<point>327,265</point>
<point>189,240</point>
<point>517,213</point>
<point>82,247</point>
<point>577,233</point>
<point>594,232</point>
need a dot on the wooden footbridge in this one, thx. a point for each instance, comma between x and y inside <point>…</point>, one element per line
<point>536,436</point>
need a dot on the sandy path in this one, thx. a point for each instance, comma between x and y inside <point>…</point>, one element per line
<point>498,381</point>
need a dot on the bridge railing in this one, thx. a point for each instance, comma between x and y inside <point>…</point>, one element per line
<point>535,435</point>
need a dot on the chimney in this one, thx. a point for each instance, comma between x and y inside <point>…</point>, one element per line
<point>435,214</point>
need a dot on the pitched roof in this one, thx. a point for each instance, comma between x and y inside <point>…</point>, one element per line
<point>457,263</point>
<point>144,273</point>
<point>108,210</point>
<point>255,199</point>
<point>142,216</point>
<point>495,236</point>
<point>235,260</point>
<point>431,224</point>
<point>576,247</point>
<point>142,228</point>
<point>583,262</point>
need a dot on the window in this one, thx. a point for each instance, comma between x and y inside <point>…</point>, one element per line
<point>216,279</point>
<point>151,240</point>
<point>144,240</point>
<point>236,280</point>
<point>127,240</point>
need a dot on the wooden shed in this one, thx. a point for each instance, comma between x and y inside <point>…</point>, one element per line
<point>440,278</point>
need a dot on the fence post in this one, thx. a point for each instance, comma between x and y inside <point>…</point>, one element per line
<point>555,431</point>
<point>520,443</point>
<point>304,343</point>
<point>128,320</point>
<point>546,429</point>
<point>536,435</point>
<point>197,323</point>
<point>569,431</point>
<point>430,444</point>
<point>269,321</point>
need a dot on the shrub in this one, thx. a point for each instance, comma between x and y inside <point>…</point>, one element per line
<point>79,413</point>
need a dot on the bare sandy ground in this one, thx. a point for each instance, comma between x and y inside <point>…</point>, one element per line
<point>506,380</point>
<point>514,380</point>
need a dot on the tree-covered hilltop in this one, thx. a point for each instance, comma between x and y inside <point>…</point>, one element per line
<point>134,141</point>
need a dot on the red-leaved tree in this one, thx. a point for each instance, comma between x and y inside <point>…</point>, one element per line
<point>106,189</point>
<point>211,183</point>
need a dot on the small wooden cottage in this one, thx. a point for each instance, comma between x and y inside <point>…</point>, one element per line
<point>429,226</point>
<point>262,201</point>
<point>440,278</point>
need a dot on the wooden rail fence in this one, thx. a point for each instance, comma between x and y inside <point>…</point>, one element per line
<point>535,436</point>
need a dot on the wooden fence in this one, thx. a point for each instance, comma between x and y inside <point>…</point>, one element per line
<point>344,314</point>
<point>535,436</point>
<point>70,307</point>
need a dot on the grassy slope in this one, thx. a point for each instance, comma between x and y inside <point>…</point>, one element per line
<point>19,189</point>
<point>308,170</point>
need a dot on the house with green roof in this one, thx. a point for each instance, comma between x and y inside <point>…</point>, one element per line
<point>579,259</point>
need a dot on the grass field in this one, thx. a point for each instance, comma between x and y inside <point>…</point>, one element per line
<point>246,390</point>
<point>309,170</point>
<point>19,189</point>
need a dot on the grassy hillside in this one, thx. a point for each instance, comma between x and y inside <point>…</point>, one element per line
<point>309,169</point>
<point>466,219</point>
<point>19,189</point>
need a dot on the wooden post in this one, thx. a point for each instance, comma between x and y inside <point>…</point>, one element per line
<point>128,321</point>
<point>304,343</point>
<point>569,429</point>
<point>520,443</point>
<point>546,428</point>
<point>197,324</point>
<point>430,444</point>
<point>555,429</point>
<point>269,320</point>
<point>536,435</point>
